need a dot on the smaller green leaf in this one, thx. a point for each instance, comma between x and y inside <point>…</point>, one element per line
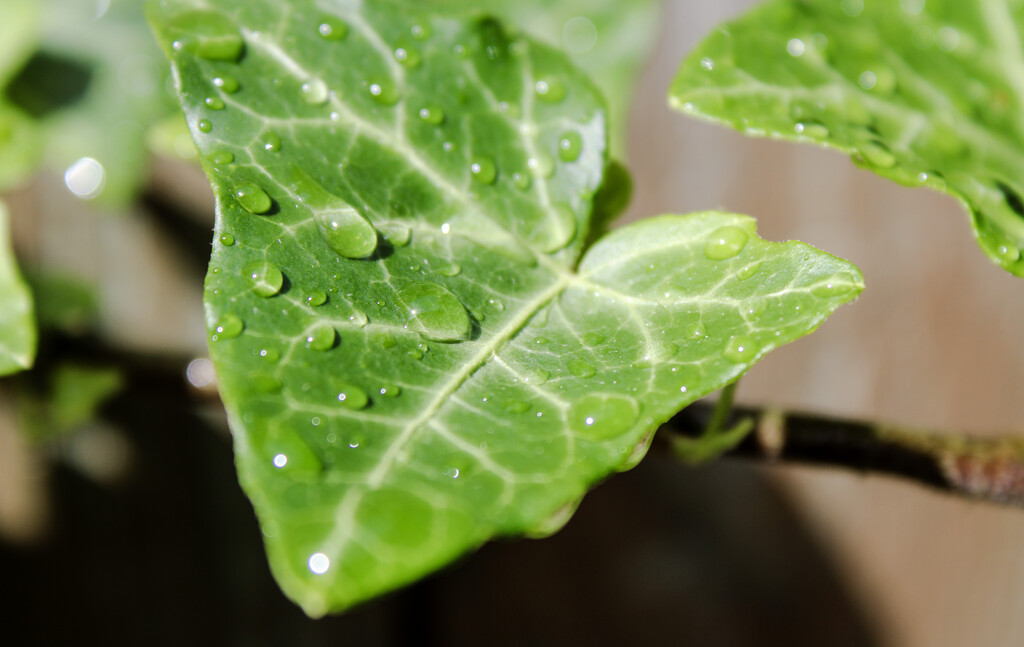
<point>17,328</point>
<point>926,94</point>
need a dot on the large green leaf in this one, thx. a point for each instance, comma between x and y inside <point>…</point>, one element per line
<point>410,359</point>
<point>925,93</point>
<point>17,328</point>
<point>608,39</point>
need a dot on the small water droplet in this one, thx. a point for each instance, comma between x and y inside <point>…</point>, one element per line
<point>432,114</point>
<point>593,339</point>
<point>435,312</point>
<point>271,141</point>
<point>419,32</point>
<point>316,298</point>
<point>521,180</point>
<point>459,50</point>
<point>389,391</point>
<point>252,198</point>
<point>352,397</point>
<point>407,56</point>
<point>221,158</point>
<point>315,91</point>
<point>541,165</point>
<point>332,28</point>
<point>483,170</point>
<point>214,103</point>
<point>725,242</point>
<point>579,368</point>
<point>517,406</point>
<point>264,278</point>
<point>226,83</point>
<point>835,285</point>
<point>227,240</point>
<point>205,126</point>
<point>397,234</point>
<point>867,79</point>
<point>740,349</point>
<point>321,337</point>
<point>570,145</point>
<point>749,271</point>
<point>265,383</point>
<point>384,92</point>
<point>698,331</point>
<point>537,377</point>
<point>550,89</point>
<point>445,268</point>
<point>228,327</point>
<point>600,416</point>
<point>707,63</point>
<point>557,231</point>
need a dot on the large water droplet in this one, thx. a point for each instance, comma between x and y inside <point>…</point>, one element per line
<point>344,229</point>
<point>316,298</point>
<point>435,312</point>
<point>483,170</point>
<point>384,92</point>
<point>252,198</point>
<point>397,234</point>
<point>332,28</point>
<point>740,349</point>
<point>580,368</point>
<point>264,278</point>
<point>550,89</point>
<point>725,242</point>
<point>227,240</point>
<point>321,337</point>
<point>228,327</point>
<point>207,34</point>
<point>749,271</point>
<point>315,91</point>
<point>600,416</point>
<point>556,231</point>
<point>570,145</point>
<point>221,158</point>
<point>835,285</point>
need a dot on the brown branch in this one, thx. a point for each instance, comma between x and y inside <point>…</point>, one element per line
<point>981,468</point>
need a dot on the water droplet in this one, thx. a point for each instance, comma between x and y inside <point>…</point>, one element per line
<point>698,331</point>
<point>725,242</point>
<point>315,91</point>
<point>214,103</point>
<point>85,178</point>
<point>541,165</point>
<point>407,56</point>
<point>517,406</point>
<point>389,391</point>
<point>877,153</point>
<point>579,368</point>
<point>265,383</point>
<point>207,34</point>
<point>205,126</point>
<point>445,268</point>
<point>227,240</point>
<point>384,92</point>
<point>419,32</point>
<point>579,35</point>
<point>226,83</point>
<point>795,47</point>
<point>812,129</point>
<point>749,271</point>
<point>228,327</point>
<point>593,339</point>
<point>550,89</point>
<point>521,180</point>
<point>221,157</point>
<point>280,460</point>
<point>316,298</point>
<point>432,114</point>
<point>459,51</point>
<point>397,234</point>
<point>332,28</point>
<point>352,397</point>
<point>537,377</point>
<point>740,349</point>
<point>600,416</point>
<point>835,285</point>
<point>557,230</point>
<point>269,354</point>
<point>658,353</point>
<point>271,141</point>
<point>252,198</point>
<point>707,63</point>
<point>483,170</point>
<point>264,278</point>
<point>867,79</point>
<point>435,312</point>
<point>344,229</point>
<point>570,145</point>
<point>321,337</point>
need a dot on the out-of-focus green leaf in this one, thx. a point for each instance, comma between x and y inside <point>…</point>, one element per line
<point>17,327</point>
<point>63,303</point>
<point>925,93</point>
<point>608,39</point>
<point>411,360</point>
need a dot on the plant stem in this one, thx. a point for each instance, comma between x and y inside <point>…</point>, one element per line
<point>991,469</point>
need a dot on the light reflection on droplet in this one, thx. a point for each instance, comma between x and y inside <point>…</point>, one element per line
<point>85,178</point>
<point>868,79</point>
<point>579,34</point>
<point>795,47</point>
<point>319,563</point>
<point>280,460</point>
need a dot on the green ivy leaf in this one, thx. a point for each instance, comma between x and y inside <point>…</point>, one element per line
<point>411,360</point>
<point>17,327</point>
<point>922,93</point>
<point>608,39</point>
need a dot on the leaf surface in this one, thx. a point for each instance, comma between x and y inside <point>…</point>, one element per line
<point>17,327</point>
<point>924,93</point>
<point>413,356</point>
